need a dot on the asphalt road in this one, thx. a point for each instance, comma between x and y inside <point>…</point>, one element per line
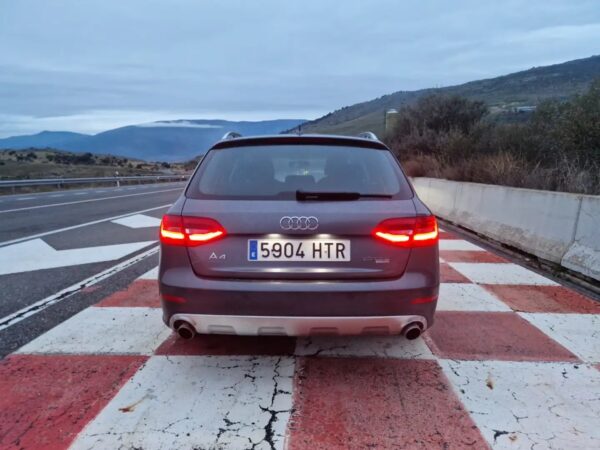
<point>56,243</point>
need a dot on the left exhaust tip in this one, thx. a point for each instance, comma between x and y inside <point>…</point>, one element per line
<point>186,331</point>
<point>412,331</point>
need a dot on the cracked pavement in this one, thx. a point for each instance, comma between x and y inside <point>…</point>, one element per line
<point>205,402</point>
<point>512,362</point>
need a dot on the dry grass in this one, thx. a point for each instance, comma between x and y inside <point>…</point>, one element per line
<point>508,170</point>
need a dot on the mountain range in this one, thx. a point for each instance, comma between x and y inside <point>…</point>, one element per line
<point>525,88</point>
<point>181,140</point>
<point>174,140</point>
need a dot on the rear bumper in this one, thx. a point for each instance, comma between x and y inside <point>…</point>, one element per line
<point>297,326</point>
<point>297,307</point>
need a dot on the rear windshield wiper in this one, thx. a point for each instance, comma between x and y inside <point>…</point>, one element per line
<point>335,196</point>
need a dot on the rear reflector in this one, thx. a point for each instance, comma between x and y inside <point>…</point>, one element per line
<point>409,232</point>
<point>422,300</point>
<point>189,231</point>
<point>173,298</point>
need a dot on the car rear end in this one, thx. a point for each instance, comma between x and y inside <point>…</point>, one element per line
<point>299,235</point>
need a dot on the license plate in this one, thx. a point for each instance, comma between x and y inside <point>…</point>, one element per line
<point>298,250</point>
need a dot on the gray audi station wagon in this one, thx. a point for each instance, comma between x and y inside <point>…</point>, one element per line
<point>299,235</point>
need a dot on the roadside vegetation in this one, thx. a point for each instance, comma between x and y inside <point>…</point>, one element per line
<point>50,163</point>
<point>557,148</point>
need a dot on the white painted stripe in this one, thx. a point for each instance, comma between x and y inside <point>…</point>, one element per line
<point>138,221</point>
<point>81,193</point>
<point>501,273</point>
<point>152,274</point>
<point>468,297</point>
<point>38,255</point>
<point>361,346</point>
<point>86,201</point>
<point>25,198</point>
<point>224,402</point>
<point>459,244</point>
<point>99,331</point>
<point>580,333</point>
<point>40,305</point>
<point>93,222</point>
<point>56,195</point>
<point>522,405</point>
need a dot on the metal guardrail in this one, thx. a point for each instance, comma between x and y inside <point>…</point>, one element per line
<point>98,180</point>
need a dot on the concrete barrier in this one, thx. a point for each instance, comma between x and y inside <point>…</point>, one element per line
<point>555,226</point>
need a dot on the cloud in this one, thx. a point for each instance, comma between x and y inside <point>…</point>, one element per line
<point>86,66</point>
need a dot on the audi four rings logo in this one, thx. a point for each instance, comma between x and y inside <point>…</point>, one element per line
<point>299,223</point>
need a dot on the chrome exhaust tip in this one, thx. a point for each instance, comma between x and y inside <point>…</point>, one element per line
<point>412,331</point>
<point>185,330</point>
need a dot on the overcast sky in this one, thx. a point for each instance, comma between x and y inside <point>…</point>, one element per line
<point>89,65</point>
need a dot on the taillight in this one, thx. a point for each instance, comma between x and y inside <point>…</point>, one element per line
<point>408,231</point>
<point>189,231</point>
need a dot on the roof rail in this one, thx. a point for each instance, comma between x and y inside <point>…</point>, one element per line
<point>368,135</point>
<point>231,135</point>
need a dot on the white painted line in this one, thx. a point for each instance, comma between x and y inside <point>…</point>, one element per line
<point>468,297</point>
<point>85,201</point>
<point>100,331</point>
<point>152,274</point>
<point>224,402</point>
<point>522,405</point>
<point>459,244</point>
<point>501,273</point>
<point>138,221</point>
<point>80,193</point>
<point>363,346</point>
<point>56,195</point>
<point>37,255</point>
<point>40,305</point>
<point>24,198</point>
<point>579,333</point>
<point>93,222</point>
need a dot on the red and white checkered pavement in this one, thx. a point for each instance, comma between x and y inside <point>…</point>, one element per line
<point>511,362</point>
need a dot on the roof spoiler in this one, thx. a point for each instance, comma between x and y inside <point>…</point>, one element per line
<point>368,135</point>
<point>231,135</point>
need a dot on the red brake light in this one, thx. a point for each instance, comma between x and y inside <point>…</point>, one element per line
<point>408,232</point>
<point>189,231</point>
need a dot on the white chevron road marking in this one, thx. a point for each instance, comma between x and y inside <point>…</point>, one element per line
<point>138,221</point>
<point>37,254</point>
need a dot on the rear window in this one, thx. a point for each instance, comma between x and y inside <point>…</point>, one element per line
<point>278,171</point>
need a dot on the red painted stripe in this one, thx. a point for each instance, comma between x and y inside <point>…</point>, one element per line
<point>138,293</point>
<point>470,256</point>
<point>544,299</point>
<point>450,275</point>
<point>47,400</point>
<point>500,336</point>
<point>214,344</point>
<point>377,403</point>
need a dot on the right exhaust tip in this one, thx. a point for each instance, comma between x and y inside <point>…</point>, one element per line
<point>412,331</point>
<point>186,331</point>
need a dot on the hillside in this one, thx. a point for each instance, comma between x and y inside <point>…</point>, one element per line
<point>51,163</point>
<point>524,88</point>
<point>177,140</point>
